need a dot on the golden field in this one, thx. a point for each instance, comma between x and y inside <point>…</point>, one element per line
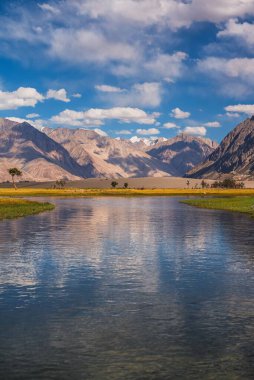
<point>40,192</point>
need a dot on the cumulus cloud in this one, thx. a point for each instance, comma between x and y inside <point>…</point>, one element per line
<point>58,95</point>
<point>200,131</point>
<point>170,125</point>
<point>82,45</point>
<point>146,132</point>
<point>74,119</point>
<point>146,94</point>
<point>177,113</point>
<point>107,88</point>
<point>169,13</point>
<point>235,68</point>
<point>22,97</point>
<point>247,109</point>
<point>97,116</point>
<point>166,66</point>
<point>244,32</point>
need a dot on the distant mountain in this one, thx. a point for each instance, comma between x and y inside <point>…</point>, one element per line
<point>33,152</point>
<point>182,152</point>
<point>107,157</point>
<point>235,155</point>
<point>72,154</point>
<point>145,142</point>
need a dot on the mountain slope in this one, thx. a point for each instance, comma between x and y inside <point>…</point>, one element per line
<point>33,152</point>
<point>182,152</point>
<point>235,155</point>
<point>106,157</point>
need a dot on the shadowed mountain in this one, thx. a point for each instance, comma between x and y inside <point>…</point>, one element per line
<point>182,152</point>
<point>107,157</point>
<point>235,155</point>
<point>38,156</point>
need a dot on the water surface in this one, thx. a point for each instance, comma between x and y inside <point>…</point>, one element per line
<point>127,288</point>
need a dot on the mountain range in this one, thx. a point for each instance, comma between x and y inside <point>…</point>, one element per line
<point>71,154</point>
<point>234,156</point>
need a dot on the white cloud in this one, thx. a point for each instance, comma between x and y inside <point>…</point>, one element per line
<point>244,32</point>
<point>247,109</point>
<point>170,125</point>
<point>107,88</point>
<point>150,131</point>
<point>165,66</point>
<point>212,124</point>
<point>177,113</point>
<point>124,114</point>
<point>232,114</point>
<point>81,45</point>
<point>200,131</point>
<point>49,8</point>
<point>146,94</point>
<point>22,97</point>
<point>74,119</point>
<point>32,115</point>
<point>124,132</point>
<point>97,116</point>
<point>170,13</point>
<point>76,95</point>
<point>234,68</point>
<point>100,132</point>
<point>38,124</point>
<point>58,95</point>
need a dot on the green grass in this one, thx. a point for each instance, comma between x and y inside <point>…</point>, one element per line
<point>15,208</point>
<point>239,204</point>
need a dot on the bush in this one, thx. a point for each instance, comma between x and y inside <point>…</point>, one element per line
<point>228,183</point>
<point>114,184</point>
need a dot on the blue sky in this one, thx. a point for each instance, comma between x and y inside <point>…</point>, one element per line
<point>128,67</point>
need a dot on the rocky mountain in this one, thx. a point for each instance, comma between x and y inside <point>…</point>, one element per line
<point>182,153</point>
<point>107,157</point>
<point>72,154</point>
<point>38,156</point>
<point>235,155</point>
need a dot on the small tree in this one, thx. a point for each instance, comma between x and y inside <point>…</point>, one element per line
<point>188,183</point>
<point>125,185</point>
<point>14,172</point>
<point>60,184</point>
<point>114,184</point>
<point>204,185</point>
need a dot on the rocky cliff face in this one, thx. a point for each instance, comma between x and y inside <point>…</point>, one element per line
<point>182,153</point>
<point>33,152</point>
<point>234,156</point>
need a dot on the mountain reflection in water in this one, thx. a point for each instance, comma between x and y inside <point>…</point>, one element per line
<point>127,288</point>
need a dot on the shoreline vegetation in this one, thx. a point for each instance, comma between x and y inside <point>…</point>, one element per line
<point>76,192</point>
<point>240,204</point>
<point>14,208</point>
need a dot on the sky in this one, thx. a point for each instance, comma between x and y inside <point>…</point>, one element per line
<point>128,67</point>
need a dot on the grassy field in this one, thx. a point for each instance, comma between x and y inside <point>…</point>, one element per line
<point>121,192</point>
<point>239,204</point>
<point>15,208</point>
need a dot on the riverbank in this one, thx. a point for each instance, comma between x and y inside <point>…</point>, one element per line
<point>122,192</point>
<point>240,204</point>
<point>15,208</point>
